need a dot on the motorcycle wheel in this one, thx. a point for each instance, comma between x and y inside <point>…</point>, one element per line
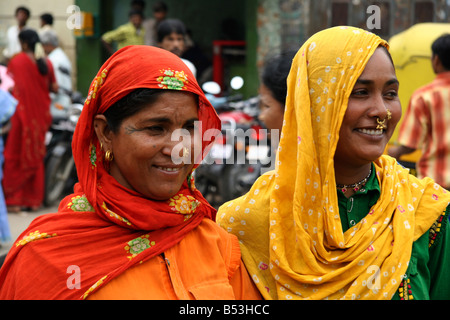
<point>230,186</point>
<point>58,172</point>
<point>201,182</point>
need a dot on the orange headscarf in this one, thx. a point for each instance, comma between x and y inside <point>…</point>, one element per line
<point>104,228</point>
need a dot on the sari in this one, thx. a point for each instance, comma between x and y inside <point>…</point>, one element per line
<point>289,226</point>
<point>23,181</point>
<point>103,229</point>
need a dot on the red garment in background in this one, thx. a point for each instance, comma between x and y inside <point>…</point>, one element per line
<point>23,181</point>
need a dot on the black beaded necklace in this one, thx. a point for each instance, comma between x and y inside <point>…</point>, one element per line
<point>356,186</point>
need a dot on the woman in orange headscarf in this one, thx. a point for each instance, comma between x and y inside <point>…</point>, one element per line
<point>136,227</point>
<point>337,219</point>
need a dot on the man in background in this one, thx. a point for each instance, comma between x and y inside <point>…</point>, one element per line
<point>62,66</point>
<point>131,33</point>
<point>426,123</point>
<point>150,25</point>
<point>172,37</point>
<point>22,14</point>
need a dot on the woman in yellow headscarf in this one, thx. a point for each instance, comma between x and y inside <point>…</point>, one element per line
<point>337,219</point>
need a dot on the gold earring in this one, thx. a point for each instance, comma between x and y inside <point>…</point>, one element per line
<point>109,156</point>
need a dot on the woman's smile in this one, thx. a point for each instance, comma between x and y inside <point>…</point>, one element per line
<point>371,132</point>
<point>169,169</point>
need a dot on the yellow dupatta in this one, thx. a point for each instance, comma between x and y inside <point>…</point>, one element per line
<point>288,224</point>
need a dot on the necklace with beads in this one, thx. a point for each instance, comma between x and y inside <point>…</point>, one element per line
<point>356,186</point>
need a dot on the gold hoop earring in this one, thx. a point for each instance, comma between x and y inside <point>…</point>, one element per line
<point>109,156</point>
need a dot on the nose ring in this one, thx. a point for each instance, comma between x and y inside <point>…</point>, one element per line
<point>381,123</point>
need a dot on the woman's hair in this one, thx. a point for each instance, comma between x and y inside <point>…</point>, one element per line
<point>168,26</point>
<point>31,38</point>
<point>441,48</point>
<point>275,73</point>
<point>130,105</point>
<point>388,53</point>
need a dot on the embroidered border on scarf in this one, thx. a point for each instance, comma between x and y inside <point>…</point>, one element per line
<point>33,236</point>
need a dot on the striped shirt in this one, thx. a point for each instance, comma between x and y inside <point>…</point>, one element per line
<point>426,125</point>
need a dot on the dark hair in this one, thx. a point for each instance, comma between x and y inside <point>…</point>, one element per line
<point>129,105</point>
<point>388,53</point>
<point>275,73</point>
<point>47,18</point>
<point>441,48</point>
<point>159,7</point>
<point>168,26</point>
<point>140,3</point>
<point>30,37</point>
<point>24,9</point>
<point>135,12</point>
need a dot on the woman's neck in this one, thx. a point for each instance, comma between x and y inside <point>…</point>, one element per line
<point>30,54</point>
<point>347,175</point>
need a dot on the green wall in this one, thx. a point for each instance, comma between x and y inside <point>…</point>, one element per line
<point>205,18</point>
<point>90,54</point>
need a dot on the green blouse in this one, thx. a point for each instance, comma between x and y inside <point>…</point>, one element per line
<point>428,274</point>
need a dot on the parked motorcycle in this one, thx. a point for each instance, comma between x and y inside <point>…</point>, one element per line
<point>237,157</point>
<point>60,172</point>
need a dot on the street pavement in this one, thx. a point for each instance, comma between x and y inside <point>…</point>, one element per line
<point>18,222</point>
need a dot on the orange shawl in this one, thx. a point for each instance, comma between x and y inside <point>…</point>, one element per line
<point>104,228</point>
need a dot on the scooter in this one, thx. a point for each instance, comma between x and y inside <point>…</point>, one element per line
<point>60,172</point>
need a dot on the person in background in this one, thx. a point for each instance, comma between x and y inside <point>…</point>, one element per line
<point>23,181</point>
<point>337,218</point>
<point>131,33</point>
<point>150,25</point>
<point>7,108</point>
<point>46,22</point>
<point>62,66</point>
<point>171,37</point>
<point>6,83</point>
<point>272,90</point>
<point>426,124</point>
<point>135,227</point>
<point>22,14</point>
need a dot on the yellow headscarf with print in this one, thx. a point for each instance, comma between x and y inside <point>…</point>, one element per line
<point>288,224</point>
